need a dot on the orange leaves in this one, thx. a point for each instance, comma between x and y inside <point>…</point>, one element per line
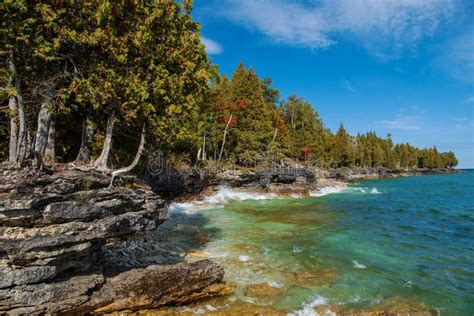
<point>227,109</point>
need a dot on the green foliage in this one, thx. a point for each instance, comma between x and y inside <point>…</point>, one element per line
<point>144,62</point>
<point>87,183</point>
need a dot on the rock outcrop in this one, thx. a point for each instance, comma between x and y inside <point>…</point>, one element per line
<point>56,233</point>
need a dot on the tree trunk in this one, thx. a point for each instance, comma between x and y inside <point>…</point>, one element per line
<point>86,142</point>
<point>223,139</point>
<point>50,152</point>
<point>44,120</point>
<point>204,147</point>
<point>275,135</point>
<point>13,106</point>
<point>135,160</point>
<point>23,140</point>
<point>101,162</point>
<point>199,154</point>
<point>13,150</point>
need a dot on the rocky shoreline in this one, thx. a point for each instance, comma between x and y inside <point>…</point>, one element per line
<point>70,244</point>
<point>60,248</point>
<point>291,183</point>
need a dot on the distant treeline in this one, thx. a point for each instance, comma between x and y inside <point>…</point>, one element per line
<point>261,126</point>
<point>100,83</point>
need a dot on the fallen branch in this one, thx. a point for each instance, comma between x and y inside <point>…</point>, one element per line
<point>134,162</point>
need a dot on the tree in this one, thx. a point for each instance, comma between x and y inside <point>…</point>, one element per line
<point>342,153</point>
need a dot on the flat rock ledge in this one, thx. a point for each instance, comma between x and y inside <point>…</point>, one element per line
<point>56,233</point>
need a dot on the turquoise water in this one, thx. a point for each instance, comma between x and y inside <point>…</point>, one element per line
<point>389,243</point>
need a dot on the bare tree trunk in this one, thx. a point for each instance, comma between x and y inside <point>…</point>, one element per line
<point>13,150</point>
<point>199,154</point>
<point>135,160</point>
<point>275,135</point>
<point>22,136</point>
<point>44,120</point>
<point>223,139</point>
<point>101,162</point>
<point>50,152</point>
<point>86,142</point>
<point>204,147</point>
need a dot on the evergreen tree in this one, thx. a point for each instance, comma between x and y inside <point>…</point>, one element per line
<point>342,152</point>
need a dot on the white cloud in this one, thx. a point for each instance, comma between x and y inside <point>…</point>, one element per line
<point>212,47</point>
<point>317,25</point>
<point>346,84</point>
<point>402,122</point>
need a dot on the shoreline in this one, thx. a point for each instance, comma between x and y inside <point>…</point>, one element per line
<point>57,218</point>
<point>293,183</point>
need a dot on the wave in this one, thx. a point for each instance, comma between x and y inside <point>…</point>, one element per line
<point>328,190</point>
<point>308,308</point>
<point>218,199</point>
<point>375,191</point>
<point>358,265</point>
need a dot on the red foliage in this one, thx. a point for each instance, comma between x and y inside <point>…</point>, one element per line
<point>224,119</point>
<point>307,150</point>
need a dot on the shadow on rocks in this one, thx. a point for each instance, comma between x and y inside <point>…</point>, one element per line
<point>183,232</point>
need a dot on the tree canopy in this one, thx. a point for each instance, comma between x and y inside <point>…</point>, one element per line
<point>98,83</point>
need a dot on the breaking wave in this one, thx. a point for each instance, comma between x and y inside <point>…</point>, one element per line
<point>358,265</point>
<point>218,199</point>
<point>328,190</point>
<point>308,308</point>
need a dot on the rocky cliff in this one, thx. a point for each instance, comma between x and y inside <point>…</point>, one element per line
<point>57,237</point>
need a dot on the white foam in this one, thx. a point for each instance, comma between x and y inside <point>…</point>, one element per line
<point>375,191</point>
<point>308,308</point>
<point>297,249</point>
<point>218,199</point>
<point>244,258</point>
<point>175,207</point>
<point>202,310</point>
<point>358,265</point>
<point>276,284</point>
<point>327,190</point>
<point>225,195</point>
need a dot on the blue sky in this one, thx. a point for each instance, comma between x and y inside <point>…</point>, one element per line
<point>404,67</point>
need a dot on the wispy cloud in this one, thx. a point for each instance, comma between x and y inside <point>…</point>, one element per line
<point>318,25</point>
<point>212,47</point>
<point>346,84</point>
<point>402,122</point>
<point>457,57</point>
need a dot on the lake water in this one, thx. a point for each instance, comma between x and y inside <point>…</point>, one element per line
<point>404,243</point>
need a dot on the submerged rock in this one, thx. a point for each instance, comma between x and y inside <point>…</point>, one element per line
<point>262,292</point>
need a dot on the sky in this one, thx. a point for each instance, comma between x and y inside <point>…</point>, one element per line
<point>404,67</point>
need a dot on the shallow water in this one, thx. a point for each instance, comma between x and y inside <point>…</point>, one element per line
<point>406,241</point>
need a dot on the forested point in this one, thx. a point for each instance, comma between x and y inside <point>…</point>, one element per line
<point>99,84</point>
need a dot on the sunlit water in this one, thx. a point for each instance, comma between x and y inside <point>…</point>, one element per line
<point>391,240</point>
